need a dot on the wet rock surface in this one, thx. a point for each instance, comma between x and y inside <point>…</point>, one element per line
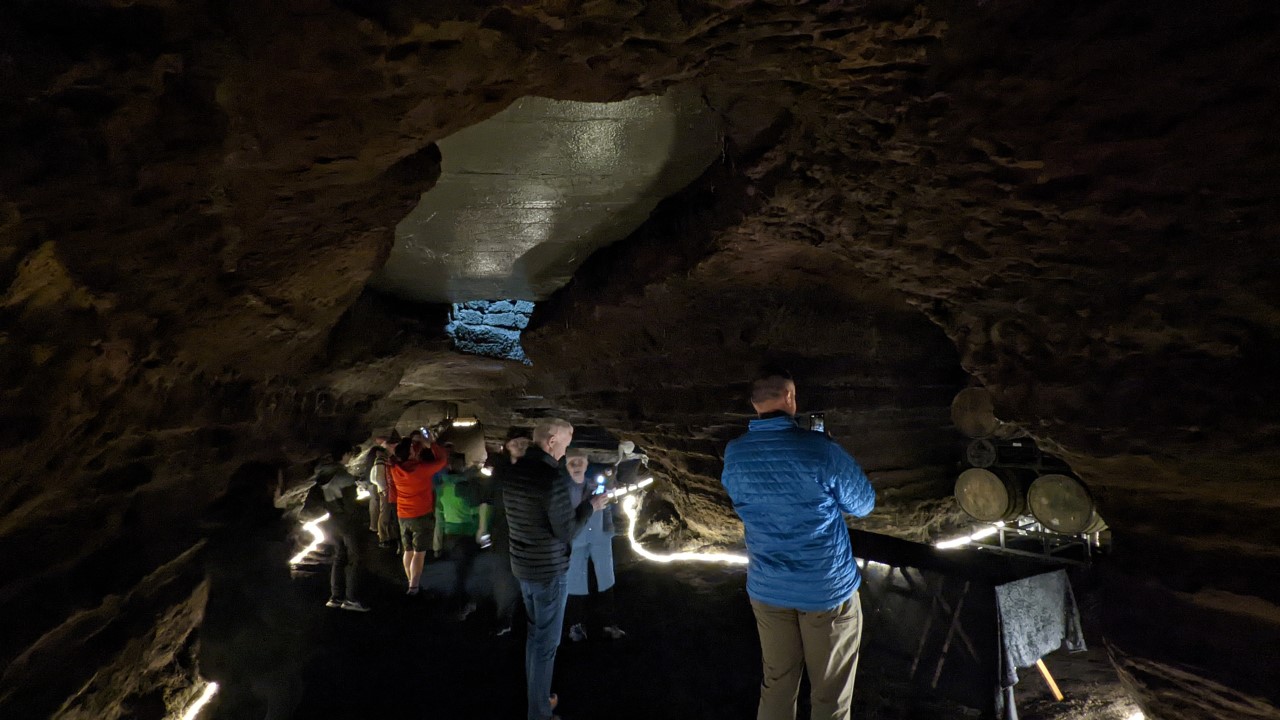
<point>1077,197</point>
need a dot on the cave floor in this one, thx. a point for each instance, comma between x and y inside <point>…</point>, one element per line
<point>690,652</point>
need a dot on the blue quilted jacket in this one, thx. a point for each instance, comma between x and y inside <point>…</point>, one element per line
<point>790,487</point>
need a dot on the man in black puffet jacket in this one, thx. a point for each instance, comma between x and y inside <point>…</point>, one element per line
<point>543,523</point>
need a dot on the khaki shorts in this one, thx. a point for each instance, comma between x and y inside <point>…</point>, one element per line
<point>416,533</point>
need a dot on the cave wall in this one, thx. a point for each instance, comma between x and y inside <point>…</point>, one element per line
<point>1077,194</point>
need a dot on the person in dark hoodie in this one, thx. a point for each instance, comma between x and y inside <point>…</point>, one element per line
<point>493,522</point>
<point>342,528</point>
<point>543,522</point>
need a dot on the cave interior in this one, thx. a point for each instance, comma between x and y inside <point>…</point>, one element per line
<point>235,231</point>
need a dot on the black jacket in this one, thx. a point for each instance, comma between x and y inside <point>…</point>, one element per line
<point>339,488</point>
<point>541,517</point>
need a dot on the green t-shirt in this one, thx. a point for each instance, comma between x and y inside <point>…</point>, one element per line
<point>456,505</point>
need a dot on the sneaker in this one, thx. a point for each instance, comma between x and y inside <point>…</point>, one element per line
<point>333,603</point>
<point>613,632</point>
<point>465,612</point>
<point>355,606</point>
<point>578,632</point>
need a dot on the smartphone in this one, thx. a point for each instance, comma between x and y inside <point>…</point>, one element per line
<point>817,423</point>
<point>600,486</point>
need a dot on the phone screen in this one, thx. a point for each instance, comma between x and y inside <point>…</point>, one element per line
<point>817,423</point>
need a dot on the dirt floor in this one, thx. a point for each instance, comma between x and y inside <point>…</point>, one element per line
<point>690,652</point>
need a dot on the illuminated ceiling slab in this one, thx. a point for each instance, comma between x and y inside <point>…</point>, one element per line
<point>525,196</point>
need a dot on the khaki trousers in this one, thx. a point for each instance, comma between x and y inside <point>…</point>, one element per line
<point>825,641</point>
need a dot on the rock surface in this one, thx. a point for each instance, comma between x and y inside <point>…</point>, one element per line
<point>1079,196</point>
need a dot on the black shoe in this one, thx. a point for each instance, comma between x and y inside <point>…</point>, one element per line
<point>464,612</point>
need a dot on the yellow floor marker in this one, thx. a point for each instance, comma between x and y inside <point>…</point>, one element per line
<point>1057,694</point>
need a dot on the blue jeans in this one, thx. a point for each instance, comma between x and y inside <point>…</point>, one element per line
<point>544,604</point>
<point>599,550</point>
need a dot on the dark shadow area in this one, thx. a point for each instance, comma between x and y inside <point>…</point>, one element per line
<point>691,650</point>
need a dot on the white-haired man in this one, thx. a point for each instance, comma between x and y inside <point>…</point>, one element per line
<point>543,523</point>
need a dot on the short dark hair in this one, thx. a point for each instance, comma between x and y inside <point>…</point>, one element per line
<point>339,448</point>
<point>771,383</point>
<point>457,462</point>
<point>402,450</point>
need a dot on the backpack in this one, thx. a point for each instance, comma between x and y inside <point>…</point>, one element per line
<point>313,506</point>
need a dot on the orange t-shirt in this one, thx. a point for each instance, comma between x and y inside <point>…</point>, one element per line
<point>414,494</point>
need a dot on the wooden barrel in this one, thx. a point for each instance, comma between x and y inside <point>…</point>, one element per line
<point>1062,504</point>
<point>990,495</point>
<point>974,413</point>
<point>984,452</point>
<point>981,453</point>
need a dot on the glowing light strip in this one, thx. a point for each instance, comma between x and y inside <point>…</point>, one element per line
<point>985,532</point>
<point>619,492</point>
<point>317,537</point>
<point>193,710</point>
<point>462,423</point>
<point>631,506</point>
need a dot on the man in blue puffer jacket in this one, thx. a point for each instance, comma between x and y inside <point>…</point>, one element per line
<point>791,487</point>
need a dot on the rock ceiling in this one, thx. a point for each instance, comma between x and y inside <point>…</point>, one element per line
<point>525,196</point>
<point>1072,202</point>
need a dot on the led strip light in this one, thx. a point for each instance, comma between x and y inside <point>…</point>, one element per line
<point>983,533</point>
<point>631,507</point>
<point>193,710</point>
<point>317,537</point>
